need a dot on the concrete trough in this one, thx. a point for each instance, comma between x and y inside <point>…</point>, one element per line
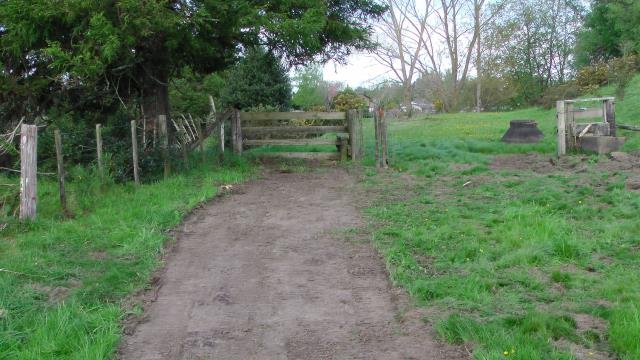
<point>523,132</point>
<point>601,144</point>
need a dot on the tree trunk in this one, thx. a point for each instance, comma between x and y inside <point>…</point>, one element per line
<point>407,97</point>
<point>478,58</point>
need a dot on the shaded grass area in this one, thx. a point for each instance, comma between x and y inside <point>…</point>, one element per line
<point>63,282</point>
<point>514,264</point>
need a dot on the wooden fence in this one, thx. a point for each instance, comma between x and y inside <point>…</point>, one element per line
<point>570,131</point>
<point>344,131</point>
<point>189,134</point>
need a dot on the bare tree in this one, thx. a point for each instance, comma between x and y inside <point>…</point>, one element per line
<point>404,42</point>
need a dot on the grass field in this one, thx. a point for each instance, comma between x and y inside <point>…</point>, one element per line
<point>63,282</point>
<point>513,263</point>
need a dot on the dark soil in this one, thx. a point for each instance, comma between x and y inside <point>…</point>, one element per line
<point>272,272</point>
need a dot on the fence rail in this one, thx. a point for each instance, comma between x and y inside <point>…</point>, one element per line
<point>347,133</point>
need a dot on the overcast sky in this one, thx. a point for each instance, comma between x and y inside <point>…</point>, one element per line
<point>361,70</point>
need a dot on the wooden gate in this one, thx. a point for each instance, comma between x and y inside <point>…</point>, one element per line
<point>339,129</point>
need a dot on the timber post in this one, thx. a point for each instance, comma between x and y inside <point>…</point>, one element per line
<point>99,152</point>
<point>28,171</point>
<point>164,143</point>
<point>60,162</point>
<point>562,128</point>
<point>134,152</point>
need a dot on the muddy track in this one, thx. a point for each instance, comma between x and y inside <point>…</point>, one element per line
<point>270,273</point>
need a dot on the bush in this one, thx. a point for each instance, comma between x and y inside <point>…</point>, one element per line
<point>591,77</point>
<point>570,90</point>
<point>347,99</point>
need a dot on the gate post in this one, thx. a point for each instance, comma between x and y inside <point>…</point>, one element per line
<point>353,137</point>
<point>561,116</point>
<point>28,171</point>
<point>236,132</point>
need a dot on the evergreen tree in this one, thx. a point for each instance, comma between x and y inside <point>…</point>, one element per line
<point>259,80</point>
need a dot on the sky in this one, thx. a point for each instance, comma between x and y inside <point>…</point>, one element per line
<point>360,70</point>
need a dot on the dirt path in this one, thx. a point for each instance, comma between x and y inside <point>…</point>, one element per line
<point>266,274</point>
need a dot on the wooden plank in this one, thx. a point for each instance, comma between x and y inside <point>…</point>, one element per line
<point>588,100</point>
<point>28,171</point>
<point>258,116</point>
<point>134,152</point>
<point>561,117</point>
<point>60,162</point>
<point>294,129</point>
<point>99,151</point>
<point>291,142</point>
<point>588,113</point>
<point>304,155</point>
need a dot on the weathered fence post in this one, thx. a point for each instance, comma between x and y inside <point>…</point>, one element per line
<point>221,139</point>
<point>360,136</point>
<point>164,142</point>
<point>384,141</point>
<point>353,134</point>
<point>236,132</point>
<point>134,150</point>
<point>60,161</point>
<point>610,115</point>
<point>28,171</point>
<point>376,127</point>
<point>562,130</point>
<point>99,151</point>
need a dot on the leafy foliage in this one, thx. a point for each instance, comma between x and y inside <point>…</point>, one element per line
<point>611,30</point>
<point>310,88</point>
<point>347,99</point>
<point>258,80</point>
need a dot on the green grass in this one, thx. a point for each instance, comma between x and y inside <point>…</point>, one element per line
<point>510,261</point>
<point>64,282</point>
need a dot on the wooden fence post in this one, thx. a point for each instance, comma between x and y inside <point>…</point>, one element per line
<point>164,142</point>
<point>562,140</point>
<point>99,151</point>
<point>134,151</point>
<point>353,134</point>
<point>384,142</point>
<point>60,162</point>
<point>610,115</point>
<point>28,171</point>
<point>221,139</point>
<point>376,125</point>
<point>361,151</point>
<point>236,132</point>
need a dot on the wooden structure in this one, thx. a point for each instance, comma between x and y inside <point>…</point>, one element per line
<point>382,147</point>
<point>299,129</point>
<point>28,171</point>
<point>601,128</point>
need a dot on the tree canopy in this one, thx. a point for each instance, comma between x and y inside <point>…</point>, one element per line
<point>611,29</point>
<point>259,80</point>
<point>107,52</point>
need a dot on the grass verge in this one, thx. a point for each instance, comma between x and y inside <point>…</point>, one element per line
<point>63,281</point>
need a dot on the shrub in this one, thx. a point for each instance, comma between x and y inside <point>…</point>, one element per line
<point>347,99</point>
